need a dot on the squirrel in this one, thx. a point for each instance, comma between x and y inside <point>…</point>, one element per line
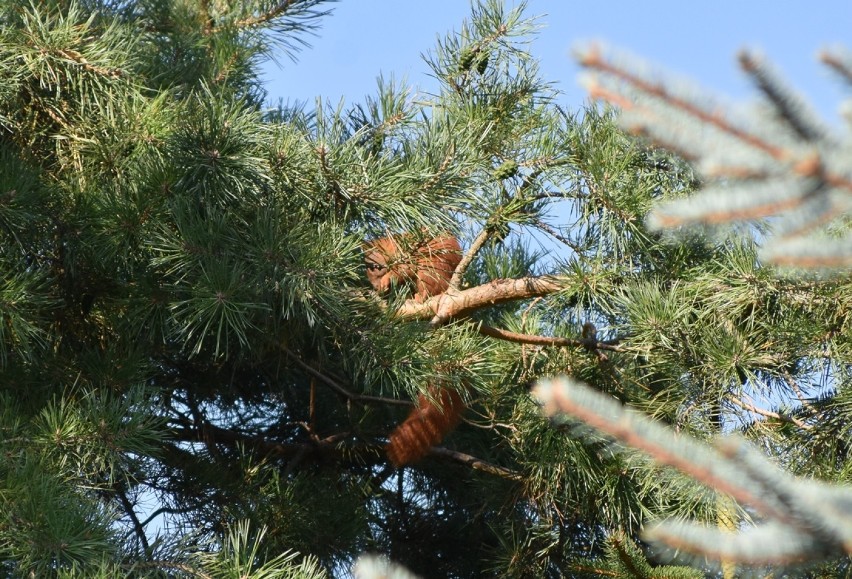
<point>426,264</point>
<point>428,423</point>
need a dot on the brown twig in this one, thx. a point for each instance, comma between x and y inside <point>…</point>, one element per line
<point>547,340</point>
<point>468,257</point>
<point>131,513</point>
<point>556,235</point>
<point>795,387</point>
<point>336,386</point>
<point>768,413</point>
<point>476,463</point>
<point>182,567</point>
<point>78,58</point>
<point>276,11</point>
<point>837,65</point>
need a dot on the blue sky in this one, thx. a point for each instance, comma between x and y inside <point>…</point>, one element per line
<point>363,38</point>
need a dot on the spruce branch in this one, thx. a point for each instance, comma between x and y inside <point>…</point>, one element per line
<point>801,520</point>
<point>840,61</point>
<point>783,164</point>
<point>791,108</point>
<point>682,101</point>
<point>567,396</point>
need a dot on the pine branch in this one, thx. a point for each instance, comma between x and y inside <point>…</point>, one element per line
<point>556,235</point>
<point>74,56</point>
<point>794,386</point>
<point>325,448</point>
<point>300,8</point>
<point>162,511</point>
<point>469,256</point>
<point>190,570</point>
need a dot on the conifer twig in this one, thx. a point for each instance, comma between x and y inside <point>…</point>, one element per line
<point>634,430</point>
<point>339,388</point>
<point>553,341</point>
<point>795,387</point>
<point>476,463</point>
<point>789,106</point>
<point>270,14</point>
<point>593,58</point>
<point>557,236</point>
<point>839,64</point>
<point>468,257</point>
<point>803,520</point>
<point>781,164</point>
<point>768,413</point>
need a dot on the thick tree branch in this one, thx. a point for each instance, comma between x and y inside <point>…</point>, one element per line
<point>456,304</point>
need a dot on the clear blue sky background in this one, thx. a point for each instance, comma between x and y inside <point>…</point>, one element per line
<point>363,38</point>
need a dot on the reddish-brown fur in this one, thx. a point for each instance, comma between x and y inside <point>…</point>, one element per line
<point>425,264</point>
<point>426,426</point>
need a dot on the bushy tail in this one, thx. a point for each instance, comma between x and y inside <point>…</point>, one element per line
<point>427,425</point>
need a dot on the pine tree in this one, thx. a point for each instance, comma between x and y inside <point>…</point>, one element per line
<point>198,379</point>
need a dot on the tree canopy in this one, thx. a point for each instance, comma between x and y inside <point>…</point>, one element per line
<point>198,380</point>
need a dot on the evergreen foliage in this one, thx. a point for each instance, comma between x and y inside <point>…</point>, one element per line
<point>196,379</point>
